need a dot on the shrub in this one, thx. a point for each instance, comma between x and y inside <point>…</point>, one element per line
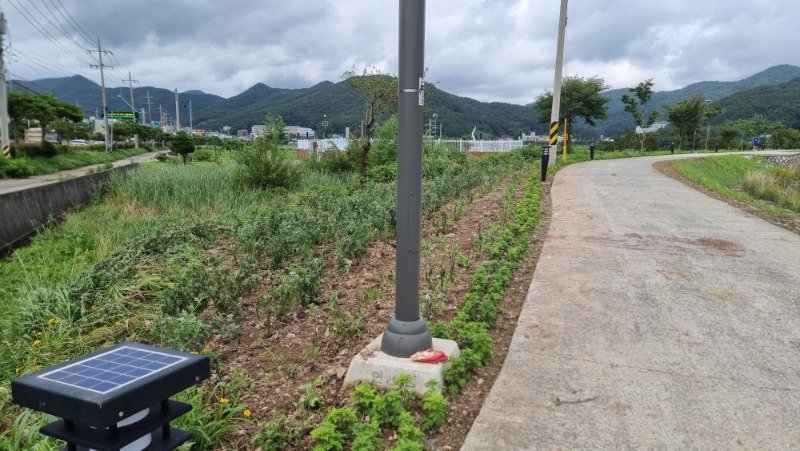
<point>205,155</point>
<point>530,152</point>
<point>45,149</point>
<point>333,162</point>
<point>15,168</point>
<point>263,167</point>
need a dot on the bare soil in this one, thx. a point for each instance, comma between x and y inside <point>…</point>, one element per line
<point>303,349</point>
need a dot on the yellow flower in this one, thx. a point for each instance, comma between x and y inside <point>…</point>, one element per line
<point>37,342</point>
<point>52,321</point>
<point>117,323</point>
<point>247,412</point>
<point>224,400</point>
<point>205,350</point>
<point>39,334</point>
<point>192,352</point>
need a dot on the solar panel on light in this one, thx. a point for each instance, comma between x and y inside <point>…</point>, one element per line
<point>113,369</point>
<point>106,386</point>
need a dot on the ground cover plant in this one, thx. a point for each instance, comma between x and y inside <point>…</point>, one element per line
<point>274,285</point>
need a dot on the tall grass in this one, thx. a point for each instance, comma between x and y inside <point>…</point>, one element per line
<point>781,187</point>
<point>732,174</point>
<point>181,191</point>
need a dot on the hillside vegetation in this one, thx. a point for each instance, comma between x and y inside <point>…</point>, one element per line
<point>769,93</point>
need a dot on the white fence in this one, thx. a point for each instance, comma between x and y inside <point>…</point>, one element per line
<point>322,145</point>
<point>463,145</point>
<point>466,145</point>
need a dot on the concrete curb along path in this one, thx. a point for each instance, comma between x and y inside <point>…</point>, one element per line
<point>11,185</point>
<point>657,318</point>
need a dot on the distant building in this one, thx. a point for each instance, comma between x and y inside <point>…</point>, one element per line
<point>242,133</point>
<point>292,131</point>
<point>33,135</point>
<point>653,128</point>
<point>257,130</point>
<point>298,132</point>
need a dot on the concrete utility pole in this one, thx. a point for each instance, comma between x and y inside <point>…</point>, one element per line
<point>133,105</point>
<point>554,119</point>
<point>407,332</point>
<point>161,120</point>
<point>100,65</point>
<point>149,112</point>
<point>177,113</point>
<point>5,142</point>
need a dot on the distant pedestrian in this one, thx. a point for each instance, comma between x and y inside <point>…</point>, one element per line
<point>756,143</point>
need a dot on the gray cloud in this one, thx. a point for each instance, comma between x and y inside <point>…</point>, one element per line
<point>491,50</point>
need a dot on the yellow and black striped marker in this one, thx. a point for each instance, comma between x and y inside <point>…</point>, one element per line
<point>553,133</point>
<point>7,151</point>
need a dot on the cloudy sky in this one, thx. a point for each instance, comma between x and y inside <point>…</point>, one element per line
<point>490,50</point>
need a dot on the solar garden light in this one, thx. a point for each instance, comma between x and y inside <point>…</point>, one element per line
<point>116,398</point>
<point>407,332</point>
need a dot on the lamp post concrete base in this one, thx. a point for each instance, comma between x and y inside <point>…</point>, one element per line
<point>374,365</point>
<point>403,338</point>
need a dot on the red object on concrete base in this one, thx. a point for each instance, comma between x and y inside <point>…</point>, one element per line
<point>429,356</point>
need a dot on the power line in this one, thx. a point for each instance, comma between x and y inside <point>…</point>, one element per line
<point>37,66</point>
<point>41,29</point>
<point>56,24</point>
<point>71,21</point>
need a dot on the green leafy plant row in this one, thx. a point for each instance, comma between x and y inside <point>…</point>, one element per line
<point>372,419</point>
<point>481,306</point>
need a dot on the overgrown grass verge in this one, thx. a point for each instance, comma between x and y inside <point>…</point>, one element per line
<point>727,175</point>
<point>781,187</point>
<point>74,159</point>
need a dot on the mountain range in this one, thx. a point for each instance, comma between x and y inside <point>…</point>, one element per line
<point>774,93</point>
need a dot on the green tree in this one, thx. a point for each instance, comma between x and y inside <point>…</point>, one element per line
<point>69,130</point>
<point>274,131</point>
<point>710,115</point>
<point>687,115</point>
<point>182,144</point>
<point>42,108</point>
<point>125,130</point>
<point>636,106</point>
<point>728,134</point>
<point>379,91</point>
<point>24,107</point>
<point>580,98</point>
<point>746,128</point>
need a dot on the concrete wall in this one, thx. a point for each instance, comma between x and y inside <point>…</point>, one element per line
<point>22,212</point>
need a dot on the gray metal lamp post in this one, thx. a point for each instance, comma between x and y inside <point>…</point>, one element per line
<point>407,332</point>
